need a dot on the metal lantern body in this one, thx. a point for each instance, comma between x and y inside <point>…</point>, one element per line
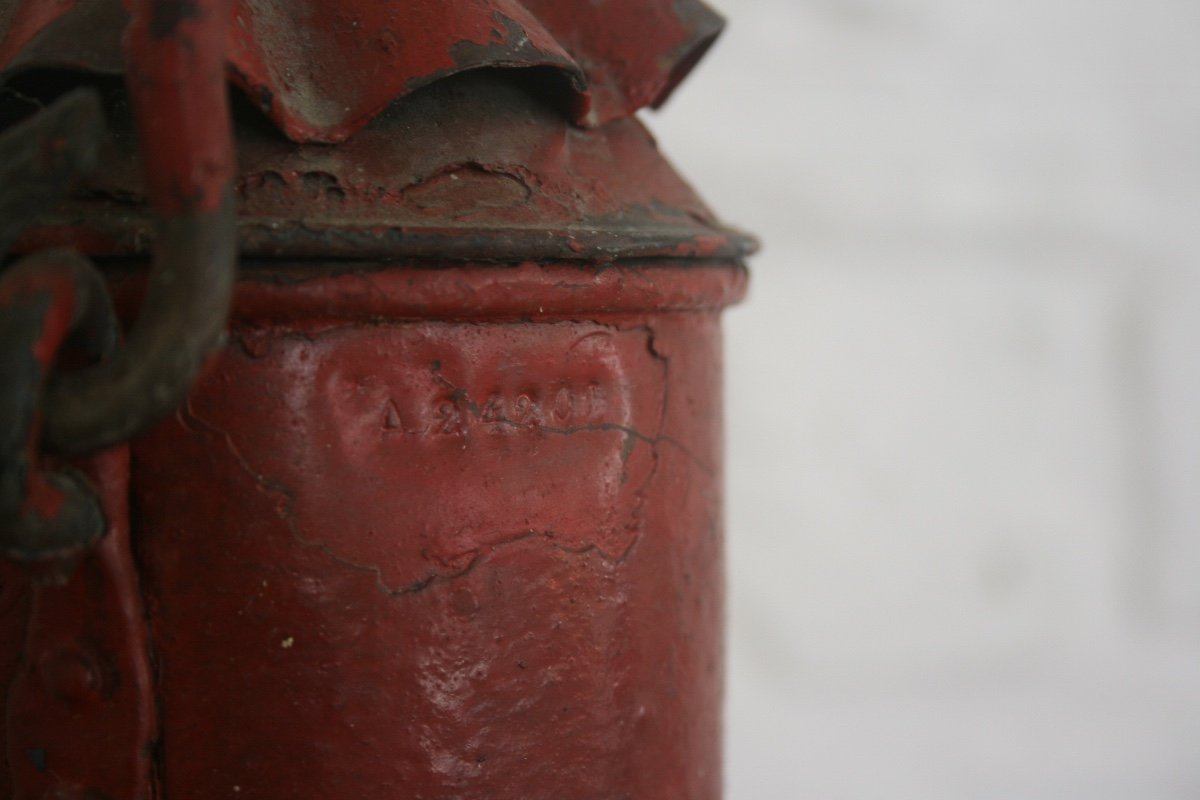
<point>442,518</point>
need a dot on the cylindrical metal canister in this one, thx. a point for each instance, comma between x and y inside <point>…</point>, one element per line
<point>450,533</point>
<point>443,518</point>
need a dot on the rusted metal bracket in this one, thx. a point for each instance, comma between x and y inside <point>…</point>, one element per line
<point>82,718</point>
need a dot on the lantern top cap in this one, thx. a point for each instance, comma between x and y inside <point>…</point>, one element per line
<point>321,70</point>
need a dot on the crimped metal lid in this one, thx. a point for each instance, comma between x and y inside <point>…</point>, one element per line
<point>466,158</point>
<point>322,69</point>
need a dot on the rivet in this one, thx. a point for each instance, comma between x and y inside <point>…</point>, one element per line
<point>70,675</point>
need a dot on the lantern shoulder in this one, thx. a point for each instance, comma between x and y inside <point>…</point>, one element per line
<point>323,70</point>
<point>474,167</point>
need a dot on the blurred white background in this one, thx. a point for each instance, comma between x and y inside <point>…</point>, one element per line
<point>963,396</point>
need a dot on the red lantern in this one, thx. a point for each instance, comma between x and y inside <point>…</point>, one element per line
<point>441,518</point>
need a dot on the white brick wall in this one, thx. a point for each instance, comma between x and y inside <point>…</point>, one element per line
<point>964,401</point>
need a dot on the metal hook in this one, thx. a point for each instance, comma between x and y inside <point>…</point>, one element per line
<point>176,76</point>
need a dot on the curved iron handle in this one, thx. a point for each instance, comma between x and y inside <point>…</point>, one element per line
<point>175,56</point>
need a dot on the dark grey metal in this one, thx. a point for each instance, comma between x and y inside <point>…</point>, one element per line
<point>182,321</point>
<point>33,289</point>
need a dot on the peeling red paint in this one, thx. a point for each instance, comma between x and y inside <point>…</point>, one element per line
<point>82,697</point>
<point>473,167</point>
<point>185,135</point>
<point>443,517</point>
<point>322,70</point>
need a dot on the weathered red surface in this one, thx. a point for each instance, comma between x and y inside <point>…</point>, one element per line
<point>80,715</point>
<point>443,519</point>
<point>471,168</point>
<point>429,558</point>
<point>174,68</point>
<point>609,58</point>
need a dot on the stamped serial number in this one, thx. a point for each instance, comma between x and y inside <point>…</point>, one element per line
<point>454,413</point>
